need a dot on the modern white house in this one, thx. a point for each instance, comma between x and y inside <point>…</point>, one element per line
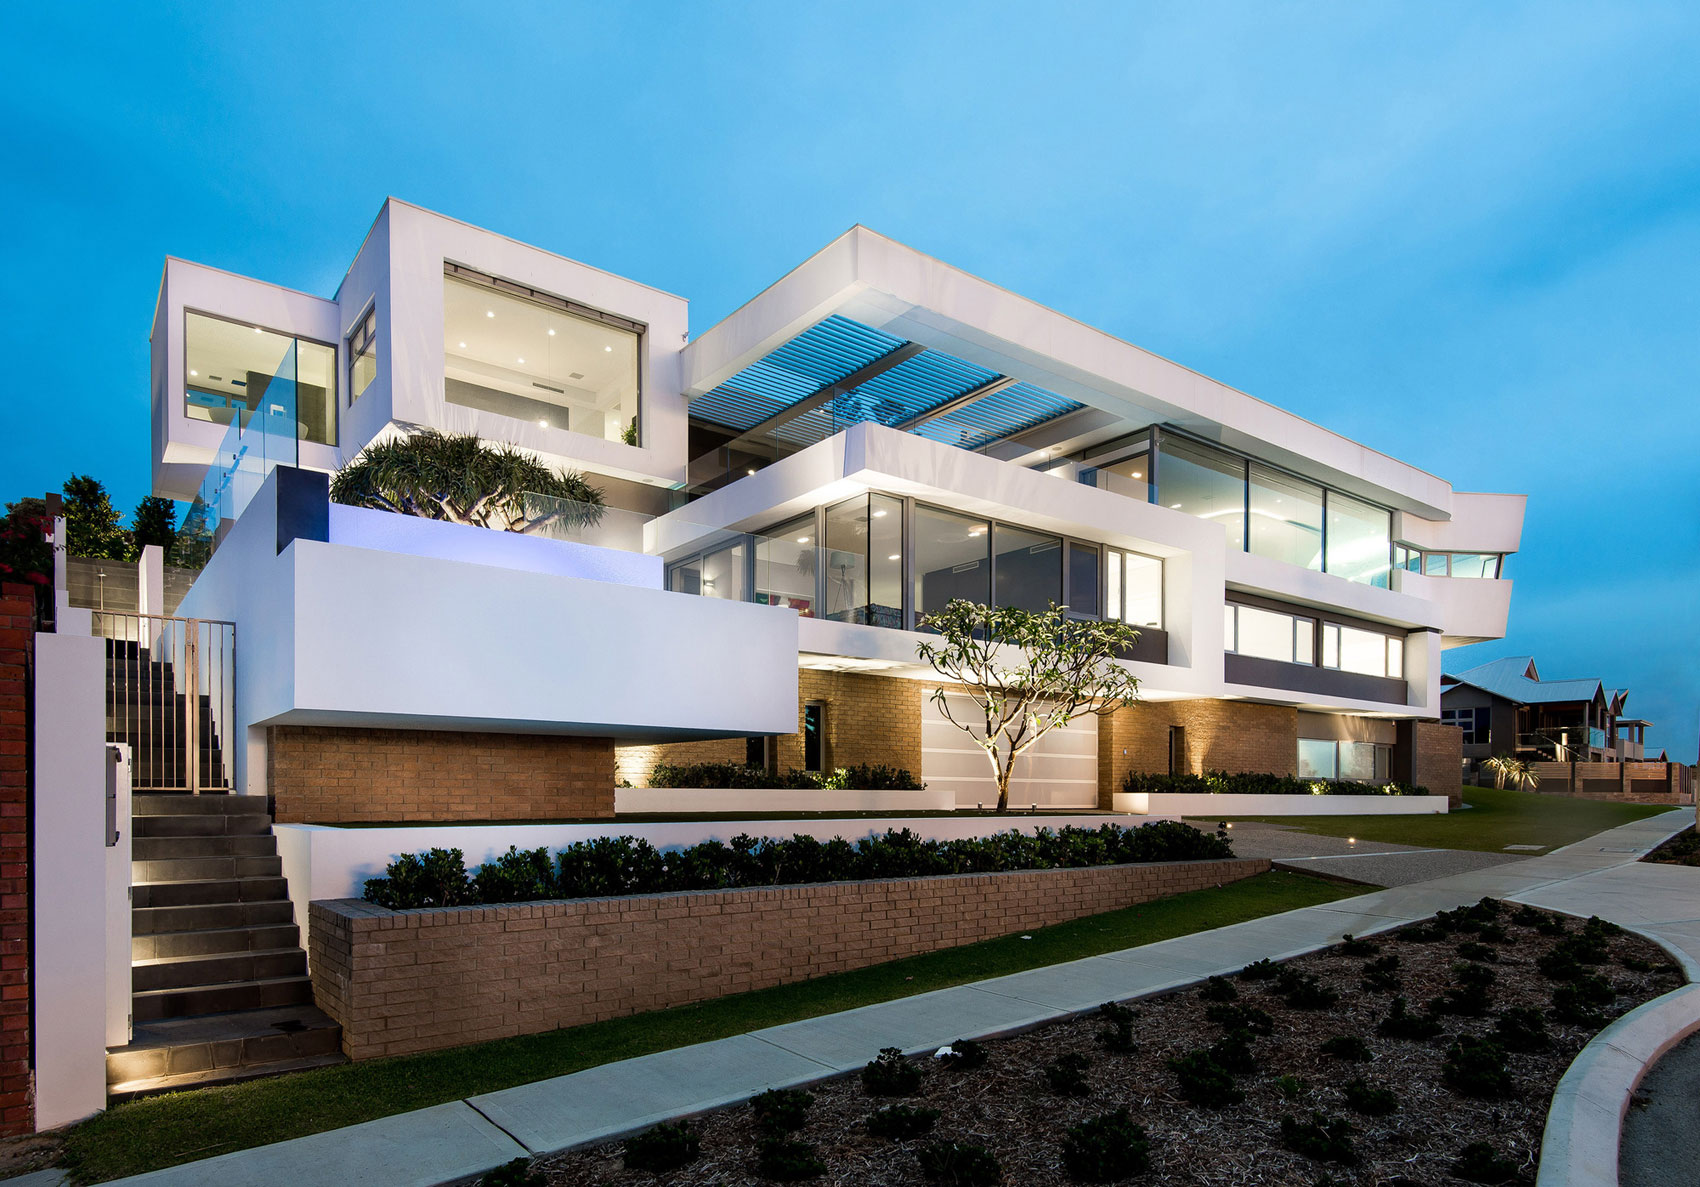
<point>791,491</point>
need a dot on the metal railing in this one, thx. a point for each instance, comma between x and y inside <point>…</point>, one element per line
<point>171,694</point>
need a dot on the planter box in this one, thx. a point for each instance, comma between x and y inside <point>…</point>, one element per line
<point>1233,804</point>
<point>807,799</point>
<point>408,981</point>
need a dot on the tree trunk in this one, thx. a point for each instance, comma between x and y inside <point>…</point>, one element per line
<point>1003,786</point>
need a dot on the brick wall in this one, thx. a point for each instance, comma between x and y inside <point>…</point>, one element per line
<point>409,981</point>
<point>331,775</point>
<point>1439,759</point>
<point>1630,782</point>
<point>1229,736</point>
<point>17,643</point>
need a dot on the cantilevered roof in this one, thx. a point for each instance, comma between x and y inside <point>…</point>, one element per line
<point>839,372</point>
<point>1509,678</point>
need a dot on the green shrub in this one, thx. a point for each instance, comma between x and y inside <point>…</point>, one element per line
<point>1303,991</point>
<point>1526,916</point>
<point>1233,1052</point>
<point>1218,989</point>
<point>1350,945</point>
<point>1205,1082</point>
<point>782,1110</point>
<point>1493,933</point>
<point>1476,1067</point>
<point>787,1160</point>
<point>1291,1087</point>
<point>1466,1001</point>
<point>1580,1000</point>
<point>1116,1035</point>
<point>964,1055</point>
<point>435,878</point>
<point>1382,976</point>
<point>1400,1023</point>
<point>954,1164</point>
<point>515,877</point>
<point>1236,1017</point>
<point>1066,1074</point>
<point>517,1173</point>
<point>889,1074</point>
<point>749,776</point>
<point>1371,1102</point>
<point>1521,1028</point>
<point>1635,964</point>
<point>1480,1163</point>
<point>1350,1048</point>
<point>1473,950</point>
<point>1421,933</point>
<point>1254,783</point>
<point>1260,970</point>
<point>901,1122</point>
<point>1551,925</point>
<point>664,1148</point>
<point>1106,1148</point>
<point>1326,1139</point>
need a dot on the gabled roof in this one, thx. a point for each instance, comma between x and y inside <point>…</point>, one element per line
<point>1515,679</point>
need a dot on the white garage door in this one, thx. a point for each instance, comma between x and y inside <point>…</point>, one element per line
<point>1060,772</point>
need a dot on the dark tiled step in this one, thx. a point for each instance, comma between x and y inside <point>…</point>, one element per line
<point>190,1001</point>
<point>188,805</point>
<point>214,941</point>
<point>146,921</point>
<point>202,824</point>
<point>188,869</point>
<point>216,968</point>
<point>223,1042</point>
<point>150,849</point>
<point>207,891</point>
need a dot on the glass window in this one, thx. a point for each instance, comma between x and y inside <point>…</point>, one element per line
<point>686,577</point>
<point>1143,586</point>
<point>1475,564</point>
<point>1434,564</point>
<point>1316,759</point>
<point>1364,652</point>
<point>532,361</point>
<point>1113,562</point>
<point>1204,482</point>
<point>1083,581</point>
<point>814,736</point>
<point>1286,518</point>
<point>847,560</point>
<point>1131,476</point>
<point>1330,645</point>
<point>952,560</point>
<point>1395,658</point>
<point>363,355</point>
<point>1029,568</point>
<point>1230,633</point>
<point>1359,540</point>
<point>1304,641</point>
<point>228,369</point>
<point>723,574</point>
<point>1358,761</point>
<point>785,566</point>
<point>885,561</point>
<point>1265,634</point>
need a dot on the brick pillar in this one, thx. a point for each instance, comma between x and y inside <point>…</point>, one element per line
<point>17,640</point>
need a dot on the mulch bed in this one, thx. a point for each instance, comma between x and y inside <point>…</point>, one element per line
<point>1008,1106</point>
<point>1681,850</point>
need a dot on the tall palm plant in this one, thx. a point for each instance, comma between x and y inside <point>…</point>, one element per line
<point>1514,771</point>
<point>459,478</point>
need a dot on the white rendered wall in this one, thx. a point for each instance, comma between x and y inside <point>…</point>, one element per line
<point>1206,806</point>
<point>1479,523</point>
<point>1470,609</point>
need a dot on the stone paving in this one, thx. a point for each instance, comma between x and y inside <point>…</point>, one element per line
<point>439,1145</point>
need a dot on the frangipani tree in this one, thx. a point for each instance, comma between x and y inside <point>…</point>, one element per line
<point>1026,673</point>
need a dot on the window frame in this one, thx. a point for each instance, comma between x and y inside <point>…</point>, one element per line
<point>359,342</point>
<point>335,375</point>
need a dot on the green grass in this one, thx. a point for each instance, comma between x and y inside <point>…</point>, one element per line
<point>166,1130</point>
<point>1493,820</point>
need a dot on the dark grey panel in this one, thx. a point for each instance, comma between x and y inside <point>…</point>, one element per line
<point>1269,673</point>
<point>303,505</point>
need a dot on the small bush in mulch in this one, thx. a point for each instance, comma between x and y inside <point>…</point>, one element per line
<point>1551,925</point>
<point>1233,1051</point>
<point>1473,950</point>
<point>1106,1148</point>
<point>1066,1074</point>
<point>1218,989</point>
<point>787,1160</point>
<point>889,1074</point>
<point>1580,1000</point>
<point>1205,1082</point>
<point>1305,991</point>
<point>1635,964</point>
<point>1260,970</point>
<point>964,1055</point>
<point>518,1173</point>
<point>1681,850</point>
<point>1526,916</point>
<point>1476,1067</point>
<point>1480,1163</point>
<point>1400,1023</point>
<point>1291,1087</point>
<point>1493,933</point>
<point>1363,1098</point>
<point>664,1148</point>
<point>1350,945</point>
<point>1382,976</point>
<point>1116,1035</point>
<point>902,1122</point>
<point>1350,1048</point>
<point>1522,1029</point>
<point>1236,1017</point>
<point>954,1164</point>
<point>1468,996</point>
<point>1420,933</point>
<point>1324,1138</point>
<point>782,1110</point>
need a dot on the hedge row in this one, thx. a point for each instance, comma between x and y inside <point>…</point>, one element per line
<point>1251,783</point>
<point>861,777</point>
<point>606,866</point>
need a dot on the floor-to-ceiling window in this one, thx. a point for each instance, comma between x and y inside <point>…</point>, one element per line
<point>1360,540</point>
<point>1206,482</point>
<point>1286,518</point>
<point>952,559</point>
<point>1029,568</point>
<point>229,368</point>
<point>785,566</point>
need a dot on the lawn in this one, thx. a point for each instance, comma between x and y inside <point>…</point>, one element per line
<point>1493,820</point>
<point>166,1130</point>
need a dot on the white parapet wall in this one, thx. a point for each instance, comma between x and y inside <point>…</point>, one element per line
<point>1232,804</point>
<point>629,800</point>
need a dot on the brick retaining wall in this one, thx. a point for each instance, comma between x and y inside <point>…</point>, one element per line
<point>17,644</point>
<point>408,981</point>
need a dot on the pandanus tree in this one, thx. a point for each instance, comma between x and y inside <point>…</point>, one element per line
<point>1514,771</point>
<point>1024,674</point>
<point>459,478</point>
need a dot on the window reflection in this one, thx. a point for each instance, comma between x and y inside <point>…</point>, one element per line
<point>1204,482</point>
<point>1359,540</point>
<point>785,566</point>
<point>1029,568</point>
<point>228,368</point>
<point>1286,518</point>
<point>952,559</point>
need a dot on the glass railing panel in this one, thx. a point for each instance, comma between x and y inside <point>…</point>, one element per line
<point>785,565</point>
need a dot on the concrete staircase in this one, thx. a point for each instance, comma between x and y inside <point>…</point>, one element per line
<point>218,976</point>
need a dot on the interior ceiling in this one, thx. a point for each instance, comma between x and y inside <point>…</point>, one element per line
<point>224,352</point>
<point>524,342</point>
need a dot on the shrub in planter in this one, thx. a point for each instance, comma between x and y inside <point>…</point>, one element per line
<point>1466,1001</point>
<point>1066,1074</point>
<point>1260,970</point>
<point>1493,933</point>
<point>1218,989</point>
<point>1420,933</point>
<point>787,1160</point>
<point>1580,1000</point>
<point>1521,1028</point>
<point>1473,950</point>
<point>1233,1052</point>
<point>1549,925</point>
<point>1400,1023</point>
<point>1205,1082</point>
<point>1371,1102</point>
<point>782,1110</point>
<point>954,1164</point>
<point>964,1055</point>
<point>1255,783</point>
<point>517,1173</point>
<point>1476,1067</point>
<point>1291,1087</point>
<point>1635,964</point>
<point>664,1148</point>
<point>1106,1148</point>
<point>1350,1048</point>
<point>902,1122</point>
<point>1249,1019</point>
<point>1326,1139</point>
<point>1303,991</point>
<point>436,878</point>
<point>1382,976</point>
<point>515,877</point>
<point>1480,1163</point>
<point>889,1074</point>
<point>1526,916</point>
<point>1350,945</point>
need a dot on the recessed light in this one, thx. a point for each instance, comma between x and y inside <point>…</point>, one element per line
<point>551,333</point>
<point>802,539</point>
<point>750,472</point>
<point>194,372</point>
<point>1137,474</point>
<point>463,346</point>
<point>896,556</point>
<point>544,423</point>
<point>877,514</point>
<point>521,363</point>
<point>607,348</point>
<point>256,329</point>
<point>489,313</point>
<point>1174,506</point>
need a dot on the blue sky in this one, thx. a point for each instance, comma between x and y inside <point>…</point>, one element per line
<point>1467,235</point>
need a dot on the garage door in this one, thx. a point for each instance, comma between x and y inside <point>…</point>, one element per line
<point>1060,772</point>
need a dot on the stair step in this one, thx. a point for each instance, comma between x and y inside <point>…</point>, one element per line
<point>196,892</point>
<point>216,968</point>
<point>223,1042</point>
<point>148,921</point>
<point>190,805</point>
<point>214,941</point>
<point>151,1086</point>
<point>190,1001</point>
<point>202,824</point>
<point>175,848</point>
<point>186,869</point>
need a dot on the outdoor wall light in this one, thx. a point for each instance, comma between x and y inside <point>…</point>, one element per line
<point>489,313</point>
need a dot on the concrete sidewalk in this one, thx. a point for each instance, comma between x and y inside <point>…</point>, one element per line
<point>1376,863</point>
<point>1599,875</point>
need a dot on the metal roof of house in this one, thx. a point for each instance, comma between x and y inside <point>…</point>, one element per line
<point>1508,678</point>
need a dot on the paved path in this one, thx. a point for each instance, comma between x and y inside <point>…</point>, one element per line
<point>1377,863</point>
<point>433,1146</point>
<point>1661,1134</point>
